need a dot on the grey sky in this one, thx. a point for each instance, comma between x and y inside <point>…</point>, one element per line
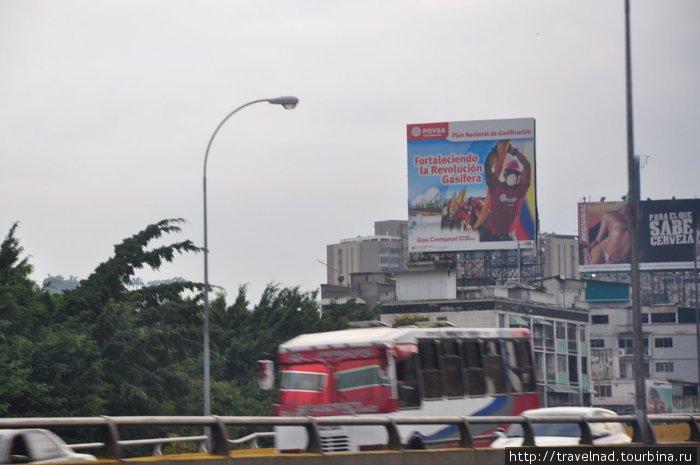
<point>106,108</point>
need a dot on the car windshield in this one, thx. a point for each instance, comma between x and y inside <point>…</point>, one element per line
<point>568,430</point>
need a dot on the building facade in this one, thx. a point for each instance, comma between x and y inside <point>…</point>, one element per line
<point>380,253</point>
<point>582,328</point>
<point>560,255</point>
<point>670,356</point>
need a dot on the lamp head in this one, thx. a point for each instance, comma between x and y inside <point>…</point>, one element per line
<point>287,102</point>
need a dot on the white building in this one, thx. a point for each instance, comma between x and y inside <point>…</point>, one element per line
<point>670,354</point>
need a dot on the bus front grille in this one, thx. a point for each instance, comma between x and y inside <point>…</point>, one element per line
<point>338,443</point>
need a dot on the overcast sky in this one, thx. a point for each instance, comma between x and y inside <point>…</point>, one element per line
<point>106,108</point>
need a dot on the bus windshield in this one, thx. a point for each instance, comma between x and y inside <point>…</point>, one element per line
<point>302,381</point>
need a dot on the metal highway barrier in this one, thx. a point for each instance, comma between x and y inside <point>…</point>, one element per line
<point>111,447</point>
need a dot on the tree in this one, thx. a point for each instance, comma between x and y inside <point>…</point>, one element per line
<point>111,279</point>
<point>113,346</point>
<point>21,312</point>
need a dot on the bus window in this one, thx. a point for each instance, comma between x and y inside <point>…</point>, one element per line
<point>452,366</point>
<point>516,382</point>
<point>430,369</point>
<point>493,364</point>
<point>362,377</point>
<point>407,382</point>
<point>527,370</point>
<point>302,381</point>
<point>473,368</point>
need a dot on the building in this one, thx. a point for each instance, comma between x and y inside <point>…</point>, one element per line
<point>670,352</point>
<point>560,255</point>
<point>582,328</point>
<point>380,253</point>
<point>370,289</point>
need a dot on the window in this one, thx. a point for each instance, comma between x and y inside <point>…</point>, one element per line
<point>561,364</point>
<point>527,370</point>
<point>628,345</point>
<point>571,336</point>
<point>519,363</point>
<point>663,342</point>
<point>550,363</point>
<point>407,381</point>
<point>573,369</point>
<point>663,317</point>
<point>452,365</point>
<point>42,446</point>
<point>493,363</point>
<point>597,343</point>
<point>599,319</point>
<point>430,369</point>
<point>561,331</point>
<point>603,391</point>
<point>474,368</point>
<point>549,337</point>
<point>302,381</point>
<point>627,369</point>
<point>664,367</point>
<point>539,362</point>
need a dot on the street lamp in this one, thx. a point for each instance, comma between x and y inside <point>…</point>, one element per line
<point>288,103</point>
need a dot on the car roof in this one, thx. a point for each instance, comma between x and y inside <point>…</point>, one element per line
<point>563,411</point>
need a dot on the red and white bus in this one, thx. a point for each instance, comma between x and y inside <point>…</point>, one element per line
<point>410,371</point>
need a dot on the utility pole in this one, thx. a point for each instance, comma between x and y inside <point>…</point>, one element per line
<point>633,218</point>
<point>696,231</point>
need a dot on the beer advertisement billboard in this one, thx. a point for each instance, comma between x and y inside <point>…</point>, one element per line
<point>471,185</point>
<point>667,230</point>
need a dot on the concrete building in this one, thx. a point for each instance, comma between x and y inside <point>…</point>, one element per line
<point>370,289</point>
<point>380,253</point>
<point>670,354</point>
<point>560,255</point>
<point>582,328</point>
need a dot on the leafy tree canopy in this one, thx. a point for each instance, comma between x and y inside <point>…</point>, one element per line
<point>113,346</point>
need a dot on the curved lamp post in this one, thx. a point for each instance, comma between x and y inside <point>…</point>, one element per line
<point>288,103</point>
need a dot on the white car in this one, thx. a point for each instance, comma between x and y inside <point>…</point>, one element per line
<point>36,446</point>
<point>565,433</point>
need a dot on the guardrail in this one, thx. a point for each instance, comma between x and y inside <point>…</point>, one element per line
<point>112,445</point>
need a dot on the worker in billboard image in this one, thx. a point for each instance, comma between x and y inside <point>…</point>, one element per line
<point>508,174</point>
<point>461,212</point>
<point>612,243</point>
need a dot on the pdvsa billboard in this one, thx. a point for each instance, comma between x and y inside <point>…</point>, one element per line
<point>471,185</point>
<point>667,230</point>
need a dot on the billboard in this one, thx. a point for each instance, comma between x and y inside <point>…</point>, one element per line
<point>471,185</point>
<point>667,230</point>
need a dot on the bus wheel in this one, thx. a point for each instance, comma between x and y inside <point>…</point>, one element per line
<point>416,443</point>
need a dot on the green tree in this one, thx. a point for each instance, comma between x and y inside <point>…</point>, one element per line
<point>408,319</point>
<point>22,311</point>
<point>114,346</point>
<point>111,279</point>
